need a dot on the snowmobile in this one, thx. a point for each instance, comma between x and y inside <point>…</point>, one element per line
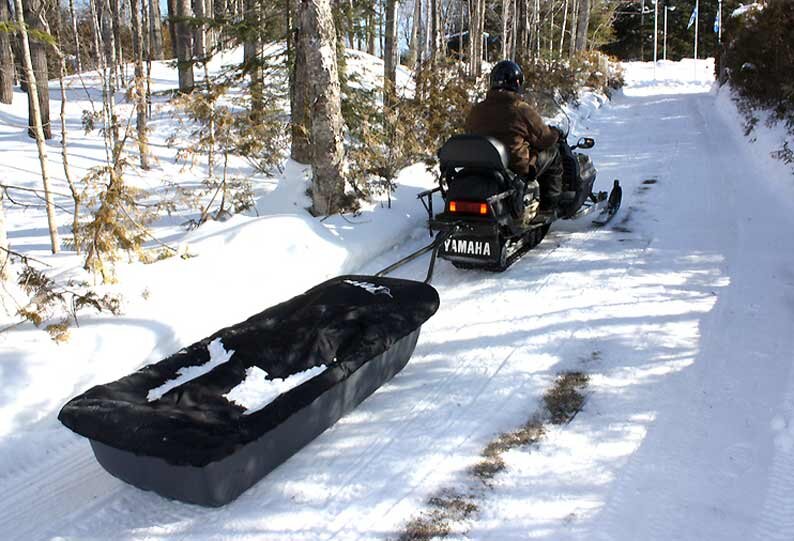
<point>490,216</point>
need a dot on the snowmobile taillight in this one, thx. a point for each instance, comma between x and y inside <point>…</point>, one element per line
<point>468,207</point>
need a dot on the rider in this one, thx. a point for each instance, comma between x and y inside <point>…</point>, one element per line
<point>532,144</point>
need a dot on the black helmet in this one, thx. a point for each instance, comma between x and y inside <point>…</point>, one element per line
<point>507,75</point>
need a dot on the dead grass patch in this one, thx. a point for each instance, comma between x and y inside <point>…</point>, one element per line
<point>565,399</point>
<point>456,505</point>
<point>447,507</point>
<point>429,525</point>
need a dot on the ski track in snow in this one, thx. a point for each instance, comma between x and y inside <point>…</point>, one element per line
<point>680,309</point>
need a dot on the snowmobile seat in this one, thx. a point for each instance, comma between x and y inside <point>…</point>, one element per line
<point>475,152</point>
<point>475,168</point>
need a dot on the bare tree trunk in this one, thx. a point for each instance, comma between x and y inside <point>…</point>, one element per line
<point>328,153</point>
<point>5,256</point>
<point>476,35</point>
<point>76,35</point>
<point>140,87</point>
<point>113,61</point>
<point>371,33</point>
<point>251,53</point>
<point>381,29</point>
<point>118,49</point>
<point>550,15</point>
<point>110,122</point>
<point>536,27</point>
<point>582,25</point>
<point>506,17</point>
<point>184,46</point>
<point>6,60</point>
<point>64,143</point>
<point>436,32</point>
<point>300,150</point>
<point>209,13</point>
<point>37,125</point>
<point>472,10</point>
<point>414,44</point>
<point>522,32</point>
<point>172,16</point>
<point>34,15</point>
<point>155,30</point>
<point>574,21</point>
<point>199,30</point>
<point>390,58</point>
<point>564,24</point>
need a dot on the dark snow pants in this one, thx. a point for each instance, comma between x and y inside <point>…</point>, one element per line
<point>549,165</point>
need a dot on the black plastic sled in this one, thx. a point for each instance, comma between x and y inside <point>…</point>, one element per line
<point>491,216</point>
<point>178,427</point>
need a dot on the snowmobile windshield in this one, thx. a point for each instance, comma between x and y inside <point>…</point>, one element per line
<point>547,107</point>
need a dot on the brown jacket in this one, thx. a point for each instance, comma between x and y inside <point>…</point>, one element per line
<point>512,121</point>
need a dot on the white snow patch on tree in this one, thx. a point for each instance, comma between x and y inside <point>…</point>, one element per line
<point>257,391</point>
<point>218,356</point>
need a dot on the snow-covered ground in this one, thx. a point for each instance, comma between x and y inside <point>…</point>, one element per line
<point>681,311</point>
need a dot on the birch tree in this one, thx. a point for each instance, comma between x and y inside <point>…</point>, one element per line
<point>33,12</point>
<point>37,126</point>
<point>507,18</point>
<point>328,154</point>
<point>76,37</point>
<point>414,43</point>
<point>436,32</point>
<point>6,59</point>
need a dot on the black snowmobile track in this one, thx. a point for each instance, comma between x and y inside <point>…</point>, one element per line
<point>529,240</point>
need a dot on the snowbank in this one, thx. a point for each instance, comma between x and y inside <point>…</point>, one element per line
<point>762,144</point>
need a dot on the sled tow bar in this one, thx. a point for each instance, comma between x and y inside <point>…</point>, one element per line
<point>433,246</point>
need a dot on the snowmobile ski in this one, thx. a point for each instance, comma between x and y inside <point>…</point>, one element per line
<point>613,205</point>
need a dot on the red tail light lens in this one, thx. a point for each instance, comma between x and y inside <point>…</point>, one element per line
<point>469,207</point>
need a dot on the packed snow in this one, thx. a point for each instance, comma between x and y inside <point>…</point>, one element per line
<point>680,310</point>
<point>258,390</point>
<point>218,356</point>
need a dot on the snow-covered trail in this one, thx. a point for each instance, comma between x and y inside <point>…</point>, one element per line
<point>681,311</point>
<point>680,439</point>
